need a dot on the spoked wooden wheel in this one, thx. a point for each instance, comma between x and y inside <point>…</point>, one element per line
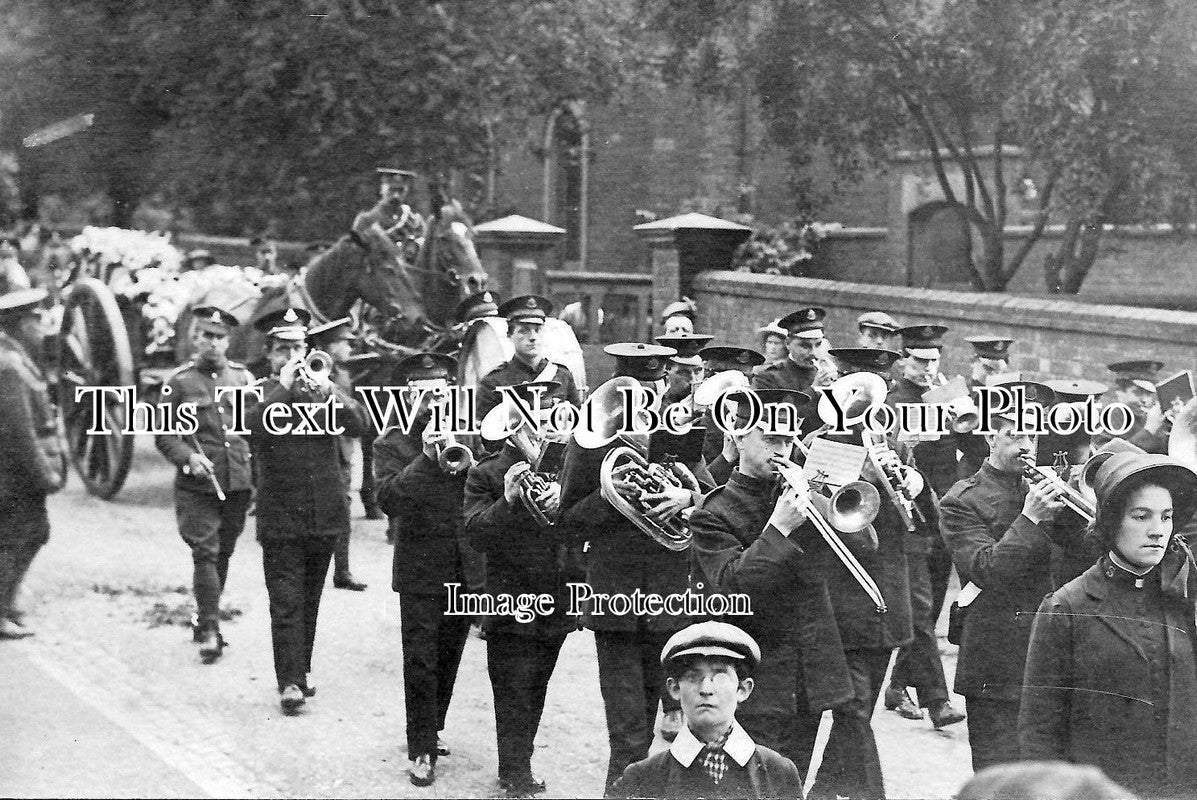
<point>94,351</point>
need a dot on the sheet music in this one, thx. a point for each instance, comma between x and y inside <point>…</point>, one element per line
<point>840,463</point>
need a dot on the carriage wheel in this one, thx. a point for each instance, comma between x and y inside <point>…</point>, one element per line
<point>94,351</point>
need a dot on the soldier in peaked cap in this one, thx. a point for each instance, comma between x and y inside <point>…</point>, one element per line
<point>33,464</point>
<point>334,337</point>
<point>1134,385</point>
<point>804,340</point>
<point>865,359</point>
<point>213,462</point>
<point>715,443</point>
<point>525,328</point>
<point>879,331</point>
<point>991,358</point>
<point>285,325</point>
<point>685,370</point>
<point>482,304</point>
<point>621,560</point>
<point>1001,530</point>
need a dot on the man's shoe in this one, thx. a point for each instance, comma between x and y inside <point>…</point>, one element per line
<point>671,724</point>
<point>442,749</point>
<point>13,630</point>
<point>900,700</point>
<point>197,630</point>
<point>211,646</point>
<point>308,691</point>
<point>422,770</point>
<point>527,786</point>
<point>292,699</point>
<point>943,714</point>
<point>346,581</point>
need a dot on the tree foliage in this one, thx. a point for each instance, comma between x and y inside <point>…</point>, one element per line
<point>278,110</point>
<point>1098,93</point>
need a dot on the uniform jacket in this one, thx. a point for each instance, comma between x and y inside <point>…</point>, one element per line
<point>31,450</point>
<point>1009,557</point>
<point>973,448</point>
<point>1088,641</point>
<point>196,382</point>
<point>513,372</point>
<point>936,460</point>
<point>429,536</point>
<point>786,374</point>
<point>521,556</point>
<point>301,491</point>
<point>734,550</point>
<point>620,558</point>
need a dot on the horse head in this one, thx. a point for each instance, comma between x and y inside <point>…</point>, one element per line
<point>448,263</point>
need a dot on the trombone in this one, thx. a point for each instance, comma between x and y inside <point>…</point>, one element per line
<point>853,506</point>
<point>1072,498</point>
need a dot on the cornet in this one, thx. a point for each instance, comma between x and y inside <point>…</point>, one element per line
<point>315,372</point>
<point>1072,498</point>
<point>851,505</point>
<point>452,456</point>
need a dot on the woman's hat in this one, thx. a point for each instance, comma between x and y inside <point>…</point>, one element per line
<point>1178,479</point>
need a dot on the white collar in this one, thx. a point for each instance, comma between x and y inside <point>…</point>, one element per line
<point>687,746</point>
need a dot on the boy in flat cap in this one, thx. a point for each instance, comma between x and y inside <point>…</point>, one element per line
<point>709,669</point>
<point>31,450</point>
<point>525,328</point>
<point>213,462</point>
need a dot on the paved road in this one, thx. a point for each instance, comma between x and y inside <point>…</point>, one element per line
<point>106,701</point>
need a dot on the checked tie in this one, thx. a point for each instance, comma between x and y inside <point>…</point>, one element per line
<point>714,760</point>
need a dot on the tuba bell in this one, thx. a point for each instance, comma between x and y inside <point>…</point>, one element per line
<point>540,492</point>
<point>857,394</point>
<point>709,390</point>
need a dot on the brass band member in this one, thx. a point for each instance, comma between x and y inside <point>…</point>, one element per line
<point>1001,530</point>
<point>522,558</point>
<point>31,463</point>
<point>1111,678</point>
<point>714,443</point>
<point>751,536</point>
<point>878,331</point>
<point>1134,385</point>
<point>425,501</point>
<point>991,358</point>
<point>211,462</point>
<point>525,328</point>
<point>302,508</point>
<point>804,339</point>
<point>620,560</point>
<point>279,320</point>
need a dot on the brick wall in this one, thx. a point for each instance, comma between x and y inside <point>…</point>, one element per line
<point>1053,338</point>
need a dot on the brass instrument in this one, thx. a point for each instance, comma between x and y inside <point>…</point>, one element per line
<point>627,463</point>
<point>963,415</point>
<point>854,506</point>
<point>857,394</point>
<point>452,456</point>
<point>539,491</point>
<point>1072,498</point>
<point>315,370</point>
<point>709,390</point>
<point>895,479</point>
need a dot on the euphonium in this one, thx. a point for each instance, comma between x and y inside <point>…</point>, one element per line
<point>1072,498</point>
<point>894,480</point>
<point>539,491</point>
<point>857,513</point>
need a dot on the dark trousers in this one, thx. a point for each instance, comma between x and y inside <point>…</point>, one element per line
<point>367,491</point>
<point>341,555</point>
<point>851,766</point>
<point>21,537</point>
<point>992,731</point>
<point>432,645</point>
<point>210,527</point>
<point>918,663</point>
<point>939,569</point>
<point>632,683</point>
<point>295,572</point>
<point>520,668</point>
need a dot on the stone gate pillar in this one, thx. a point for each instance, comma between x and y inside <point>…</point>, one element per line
<point>515,251</point>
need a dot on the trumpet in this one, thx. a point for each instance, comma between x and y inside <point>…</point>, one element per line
<point>1072,498</point>
<point>854,505</point>
<point>452,456</point>
<point>315,371</point>
<point>895,479</point>
<point>540,492</point>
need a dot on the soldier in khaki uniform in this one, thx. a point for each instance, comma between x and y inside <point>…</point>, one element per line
<point>31,465</point>
<point>212,462</point>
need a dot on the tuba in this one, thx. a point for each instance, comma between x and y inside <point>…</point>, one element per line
<point>539,492</point>
<point>627,463</point>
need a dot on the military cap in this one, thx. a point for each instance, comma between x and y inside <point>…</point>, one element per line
<point>684,307</point>
<point>1033,391</point>
<point>1141,372</point>
<point>870,359</point>
<point>425,366</point>
<point>687,346</point>
<point>712,638</point>
<point>644,362</point>
<point>772,329</point>
<point>1076,391</point>
<point>482,304</point>
<point>199,254</point>
<point>334,331</point>
<point>724,357</point>
<point>806,323</point>
<point>1178,479</point>
<point>526,308</point>
<point>923,341</point>
<point>771,397</point>
<point>879,320</point>
<point>990,346</point>
<point>211,318</point>
<point>285,323</point>
<point>22,302</point>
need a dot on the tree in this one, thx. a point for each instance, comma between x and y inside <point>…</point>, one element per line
<point>1077,83</point>
<point>276,112</point>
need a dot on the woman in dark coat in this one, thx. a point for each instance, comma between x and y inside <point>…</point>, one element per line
<point>1111,678</point>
